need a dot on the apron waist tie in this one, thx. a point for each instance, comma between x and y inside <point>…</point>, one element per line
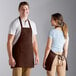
<point>60,59</point>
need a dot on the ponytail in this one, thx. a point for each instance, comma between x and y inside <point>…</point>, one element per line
<point>65,29</point>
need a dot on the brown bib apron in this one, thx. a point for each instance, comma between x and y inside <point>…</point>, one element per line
<point>23,49</point>
<point>49,60</point>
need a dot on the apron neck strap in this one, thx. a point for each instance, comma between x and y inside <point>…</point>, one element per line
<point>29,23</point>
<point>21,22</point>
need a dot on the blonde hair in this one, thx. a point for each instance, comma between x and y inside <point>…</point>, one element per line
<point>65,30</point>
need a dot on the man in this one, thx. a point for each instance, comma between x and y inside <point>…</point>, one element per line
<point>22,43</point>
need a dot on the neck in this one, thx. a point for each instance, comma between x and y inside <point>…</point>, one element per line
<point>58,27</point>
<point>23,18</point>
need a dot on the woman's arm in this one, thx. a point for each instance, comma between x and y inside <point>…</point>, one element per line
<point>47,50</point>
<point>65,48</point>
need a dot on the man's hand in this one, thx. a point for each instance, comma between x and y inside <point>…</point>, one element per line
<point>36,60</point>
<point>12,62</point>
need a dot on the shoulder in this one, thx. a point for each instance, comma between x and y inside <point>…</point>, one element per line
<point>32,22</point>
<point>51,33</point>
<point>52,30</point>
<point>14,22</point>
<point>14,25</point>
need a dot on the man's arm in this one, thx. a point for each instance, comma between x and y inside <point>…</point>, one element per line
<point>35,49</point>
<point>9,49</point>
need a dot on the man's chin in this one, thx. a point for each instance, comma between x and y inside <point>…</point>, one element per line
<point>25,15</point>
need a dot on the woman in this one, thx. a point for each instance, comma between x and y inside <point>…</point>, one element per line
<point>57,47</point>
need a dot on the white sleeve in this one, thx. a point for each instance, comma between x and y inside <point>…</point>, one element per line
<point>12,28</point>
<point>51,34</point>
<point>34,29</point>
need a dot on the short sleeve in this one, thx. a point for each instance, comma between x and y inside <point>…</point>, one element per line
<point>12,28</point>
<point>34,29</point>
<point>51,34</point>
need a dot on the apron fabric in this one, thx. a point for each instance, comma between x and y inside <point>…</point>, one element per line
<point>23,49</point>
<point>50,59</point>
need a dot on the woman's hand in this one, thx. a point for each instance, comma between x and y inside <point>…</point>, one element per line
<point>12,62</point>
<point>36,60</point>
<point>44,62</point>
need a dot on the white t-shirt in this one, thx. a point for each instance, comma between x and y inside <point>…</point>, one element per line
<point>15,28</point>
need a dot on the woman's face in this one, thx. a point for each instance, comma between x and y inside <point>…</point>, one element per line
<point>53,22</point>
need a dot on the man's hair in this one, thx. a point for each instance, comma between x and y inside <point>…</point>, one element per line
<point>23,3</point>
